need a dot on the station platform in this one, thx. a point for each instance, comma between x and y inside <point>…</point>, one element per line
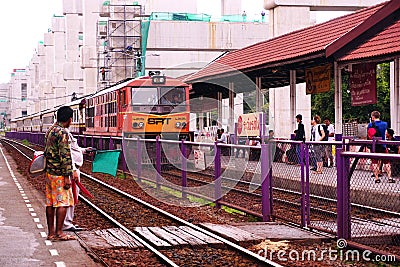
<point>23,229</point>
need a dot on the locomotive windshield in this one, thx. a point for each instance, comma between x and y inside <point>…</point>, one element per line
<point>158,96</point>
<point>172,96</point>
<point>144,96</point>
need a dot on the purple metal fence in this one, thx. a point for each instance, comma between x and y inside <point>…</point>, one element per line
<point>343,200</point>
<point>184,169</point>
<point>217,174</point>
<point>158,162</point>
<point>266,186</point>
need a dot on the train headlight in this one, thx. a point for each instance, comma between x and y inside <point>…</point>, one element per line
<point>135,125</point>
<point>178,124</point>
<point>158,79</point>
<point>141,124</point>
<point>184,125</point>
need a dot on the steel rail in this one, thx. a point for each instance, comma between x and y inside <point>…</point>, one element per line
<point>136,237</point>
<point>171,216</point>
<point>279,189</point>
<point>275,188</point>
<point>293,192</point>
<point>182,221</point>
<point>143,242</point>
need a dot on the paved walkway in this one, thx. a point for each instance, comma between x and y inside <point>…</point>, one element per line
<point>23,225</point>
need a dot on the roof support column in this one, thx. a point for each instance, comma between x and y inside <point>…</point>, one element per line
<point>395,98</point>
<point>293,98</point>
<point>259,102</point>
<point>231,126</point>
<point>201,121</point>
<point>338,98</point>
<point>219,111</point>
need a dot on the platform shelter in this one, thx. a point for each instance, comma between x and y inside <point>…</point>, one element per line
<point>370,35</point>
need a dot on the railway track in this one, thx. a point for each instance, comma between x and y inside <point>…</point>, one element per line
<point>113,203</point>
<point>321,207</point>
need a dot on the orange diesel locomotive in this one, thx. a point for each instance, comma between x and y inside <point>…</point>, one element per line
<point>146,107</point>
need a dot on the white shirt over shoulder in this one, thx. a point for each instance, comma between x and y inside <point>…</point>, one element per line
<point>331,129</point>
<point>223,138</point>
<point>76,151</point>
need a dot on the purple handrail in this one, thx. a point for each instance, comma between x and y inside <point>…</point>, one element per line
<point>184,169</point>
<point>139,158</point>
<point>266,175</point>
<point>158,162</point>
<point>217,174</point>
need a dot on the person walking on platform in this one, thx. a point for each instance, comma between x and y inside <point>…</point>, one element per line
<point>218,134</point>
<point>391,167</point>
<point>59,194</point>
<point>77,162</point>
<point>271,135</point>
<point>318,134</point>
<point>328,148</point>
<point>377,127</point>
<point>300,135</point>
<point>223,138</point>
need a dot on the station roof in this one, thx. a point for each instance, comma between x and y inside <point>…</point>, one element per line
<point>380,42</point>
<point>366,33</point>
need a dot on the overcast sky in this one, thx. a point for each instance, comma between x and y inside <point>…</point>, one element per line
<point>24,22</point>
<point>22,25</point>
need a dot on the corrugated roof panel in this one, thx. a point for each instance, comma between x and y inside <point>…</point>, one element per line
<point>383,43</point>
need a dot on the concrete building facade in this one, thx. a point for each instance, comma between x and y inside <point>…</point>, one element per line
<point>4,105</point>
<point>68,61</point>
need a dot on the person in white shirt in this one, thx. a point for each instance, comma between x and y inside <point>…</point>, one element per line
<point>77,162</point>
<point>318,134</point>
<point>223,138</point>
<point>328,148</point>
<point>225,151</point>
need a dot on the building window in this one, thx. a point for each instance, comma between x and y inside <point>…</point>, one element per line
<point>24,113</point>
<point>24,91</point>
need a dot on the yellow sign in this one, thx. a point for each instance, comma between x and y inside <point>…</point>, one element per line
<point>318,79</point>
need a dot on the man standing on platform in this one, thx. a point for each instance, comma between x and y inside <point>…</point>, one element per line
<point>58,171</point>
<point>300,135</point>
<point>380,127</point>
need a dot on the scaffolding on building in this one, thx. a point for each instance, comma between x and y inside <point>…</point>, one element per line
<point>119,42</point>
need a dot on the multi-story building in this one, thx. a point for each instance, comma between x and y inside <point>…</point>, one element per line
<point>96,43</point>
<point>18,93</point>
<point>4,105</point>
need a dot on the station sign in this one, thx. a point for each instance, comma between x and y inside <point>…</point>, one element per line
<point>199,159</point>
<point>363,84</point>
<point>318,79</point>
<point>249,125</point>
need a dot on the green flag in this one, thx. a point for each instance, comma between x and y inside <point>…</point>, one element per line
<point>106,161</point>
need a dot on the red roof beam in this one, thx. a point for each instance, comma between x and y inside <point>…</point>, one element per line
<point>372,25</point>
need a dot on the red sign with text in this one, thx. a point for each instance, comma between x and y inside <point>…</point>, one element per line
<point>363,84</point>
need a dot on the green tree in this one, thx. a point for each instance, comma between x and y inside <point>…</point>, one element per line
<point>324,104</point>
